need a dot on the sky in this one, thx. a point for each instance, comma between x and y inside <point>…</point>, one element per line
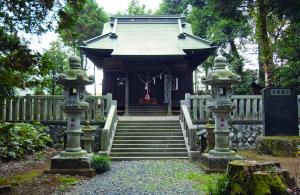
<point>113,6</point>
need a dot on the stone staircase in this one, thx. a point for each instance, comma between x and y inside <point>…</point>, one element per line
<point>148,139</point>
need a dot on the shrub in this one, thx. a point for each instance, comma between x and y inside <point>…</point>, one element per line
<point>100,163</point>
<point>218,186</point>
<point>20,139</point>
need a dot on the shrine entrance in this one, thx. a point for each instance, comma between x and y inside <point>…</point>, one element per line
<point>146,88</point>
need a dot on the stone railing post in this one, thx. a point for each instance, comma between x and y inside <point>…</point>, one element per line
<point>108,101</point>
<point>187,98</point>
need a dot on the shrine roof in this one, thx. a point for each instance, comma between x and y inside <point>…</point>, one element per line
<point>147,36</point>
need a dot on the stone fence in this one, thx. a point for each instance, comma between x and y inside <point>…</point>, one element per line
<point>246,119</point>
<point>47,109</point>
<point>248,108</point>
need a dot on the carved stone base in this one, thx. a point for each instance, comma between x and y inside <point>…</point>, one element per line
<point>216,164</point>
<point>71,165</point>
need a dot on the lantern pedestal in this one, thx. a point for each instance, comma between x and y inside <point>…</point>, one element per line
<point>77,165</point>
<point>215,163</point>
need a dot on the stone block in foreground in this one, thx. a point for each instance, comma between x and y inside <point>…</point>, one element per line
<point>251,177</point>
<point>71,166</point>
<point>216,164</point>
<point>284,146</point>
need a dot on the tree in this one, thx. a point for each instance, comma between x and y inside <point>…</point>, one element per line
<point>276,24</point>
<point>19,65</point>
<point>86,23</point>
<point>54,61</point>
<point>135,8</point>
<point>225,23</point>
<point>168,7</point>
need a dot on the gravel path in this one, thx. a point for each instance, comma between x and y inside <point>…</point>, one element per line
<point>161,177</point>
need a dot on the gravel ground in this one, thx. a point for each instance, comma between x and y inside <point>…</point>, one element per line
<point>141,177</point>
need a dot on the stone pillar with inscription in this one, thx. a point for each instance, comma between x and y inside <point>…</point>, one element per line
<point>221,81</point>
<point>73,160</point>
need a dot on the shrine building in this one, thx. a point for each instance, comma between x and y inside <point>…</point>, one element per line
<point>147,61</point>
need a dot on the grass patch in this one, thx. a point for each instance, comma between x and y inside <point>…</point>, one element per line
<point>202,182</point>
<point>20,178</point>
<point>150,187</point>
<point>67,180</point>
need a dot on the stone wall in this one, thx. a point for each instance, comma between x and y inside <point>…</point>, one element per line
<point>56,131</point>
<point>242,136</point>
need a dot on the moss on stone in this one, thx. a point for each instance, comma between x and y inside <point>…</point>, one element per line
<point>268,183</point>
<point>250,177</point>
<point>285,146</point>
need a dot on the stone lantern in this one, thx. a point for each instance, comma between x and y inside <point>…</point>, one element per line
<point>88,137</point>
<point>73,159</point>
<point>221,81</point>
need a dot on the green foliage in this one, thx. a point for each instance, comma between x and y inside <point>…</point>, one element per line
<point>225,25</point>
<point>204,182</point>
<point>100,163</point>
<point>136,9</point>
<point>54,61</point>
<point>17,140</point>
<point>67,180</point>
<point>219,185</point>
<point>169,7</point>
<point>19,65</point>
<point>76,26</point>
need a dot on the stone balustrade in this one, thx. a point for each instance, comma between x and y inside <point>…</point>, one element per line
<point>47,108</point>
<point>249,108</point>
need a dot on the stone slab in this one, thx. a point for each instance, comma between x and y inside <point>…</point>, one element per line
<point>148,118</point>
<point>215,164</point>
<point>280,112</point>
<point>59,162</point>
<point>284,146</point>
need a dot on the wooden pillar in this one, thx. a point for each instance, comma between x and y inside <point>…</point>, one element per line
<point>127,93</point>
<point>169,93</point>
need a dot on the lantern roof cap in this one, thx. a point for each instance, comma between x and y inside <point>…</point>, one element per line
<point>221,75</point>
<point>220,62</point>
<point>74,62</point>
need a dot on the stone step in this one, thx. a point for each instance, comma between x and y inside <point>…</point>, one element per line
<point>147,127</point>
<point>151,154</point>
<point>148,121</point>
<point>118,133</point>
<point>117,137</point>
<point>148,158</point>
<point>147,124</point>
<point>113,150</point>
<point>146,142</point>
<point>148,130</point>
<point>133,145</point>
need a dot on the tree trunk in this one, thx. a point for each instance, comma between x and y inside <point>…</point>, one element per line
<point>261,76</point>
<point>266,56</point>
<point>238,64</point>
